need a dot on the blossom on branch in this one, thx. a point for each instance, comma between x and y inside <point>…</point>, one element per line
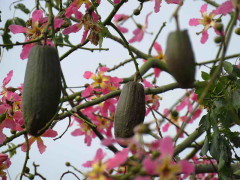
<point>10,107</point>
<point>41,147</point>
<point>140,31</point>
<point>36,28</point>
<point>163,165</point>
<point>207,21</point>
<point>89,22</point>
<point>100,168</point>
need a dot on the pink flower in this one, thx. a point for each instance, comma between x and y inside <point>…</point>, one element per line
<point>100,168</point>
<point>4,164</point>
<point>34,31</point>
<point>163,164</point>
<point>174,118</point>
<point>41,147</point>
<point>139,32</point>
<point>208,21</point>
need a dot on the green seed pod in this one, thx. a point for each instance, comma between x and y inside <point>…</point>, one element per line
<point>180,58</point>
<point>42,88</point>
<point>130,110</point>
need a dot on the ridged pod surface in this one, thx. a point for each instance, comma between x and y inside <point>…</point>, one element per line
<point>130,110</point>
<point>180,58</point>
<point>42,88</point>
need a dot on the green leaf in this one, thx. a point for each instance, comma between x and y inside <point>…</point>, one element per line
<point>66,39</point>
<point>215,146</point>
<point>6,36</point>
<point>59,39</point>
<point>205,76</point>
<point>228,67</point>
<point>236,98</point>
<point>23,8</point>
<point>19,21</point>
<point>205,147</point>
<point>12,152</point>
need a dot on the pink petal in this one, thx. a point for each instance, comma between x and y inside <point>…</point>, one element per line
<point>166,112</point>
<point>3,157</point>
<point>37,15</point>
<point>26,50</point>
<point>95,17</point>
<point>157,5</point>
<point>224,8</point>
<point>165,127</point>
<point>109,141</point>
<point>149,165</point>
<point>41,146</point>
<point>194,22</point>
<point>9,123</point>
<point>173,1</point>
<point>84,36</point>
<point>17,29</point>
<point>58,23</point>
<point>88,140</point>
<point>157,72</point>
<point>204,37</point>
<point>122,29</point>
<point>77,13</point>
<point>103,69</point>
<point>87,74</point>
<point>88,164</point>
<point>72,29</point>
<point>2,136</point>
<point>87,92</point>
<point>197,114</point>
<point>120,17</point>
<point>147,84</point>
<point>183,103</point>
<point>99,155</point>
<point>50,133</point>
<point>7,79</point>
<point>118,159</point>
<point>31,140</point>
<point>203,8</point>
<point>157,47</point>
<point>166,146</point>
<point>138,35</point>
<point>77,132</point>
<point>146,20</point>
<point>187,167</point>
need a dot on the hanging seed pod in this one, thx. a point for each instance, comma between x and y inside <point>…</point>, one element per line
<point>130,110</point>
<point>42,88</point>
<point>180,58</point>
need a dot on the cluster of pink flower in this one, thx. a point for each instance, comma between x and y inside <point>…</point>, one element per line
<point>148,160</point>
<point>10,107</point>
<point>102,115</point>
<point>11,114</point>
<point>4,164</point>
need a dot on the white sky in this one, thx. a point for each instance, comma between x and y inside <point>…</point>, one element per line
<point>70,148</point>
